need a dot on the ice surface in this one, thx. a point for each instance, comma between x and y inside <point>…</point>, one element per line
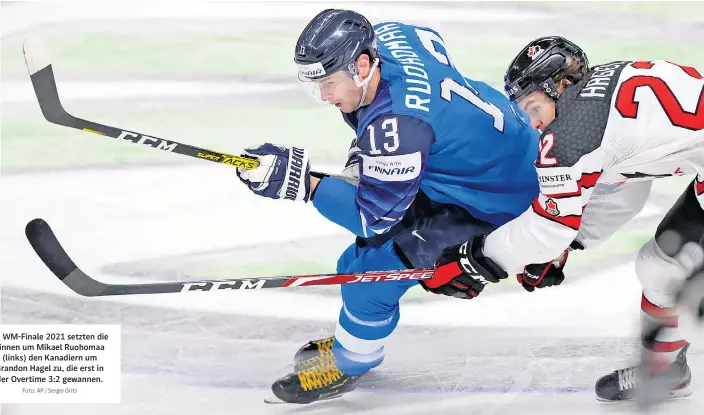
<point>508,352</point>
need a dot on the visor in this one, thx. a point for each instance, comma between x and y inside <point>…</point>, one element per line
<point>320,89</point>
<point>320,85</point>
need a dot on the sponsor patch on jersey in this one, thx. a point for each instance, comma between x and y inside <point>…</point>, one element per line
<point>551,207</point>
<point>557,180</point>
<point>392,168</point>
<point>311,70</point>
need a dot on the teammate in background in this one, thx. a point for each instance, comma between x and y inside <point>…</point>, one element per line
<point>621,124</point>
<point>436,158</point>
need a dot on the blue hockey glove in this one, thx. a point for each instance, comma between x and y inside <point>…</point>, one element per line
<point>283,173</point>
<point>463,271</point>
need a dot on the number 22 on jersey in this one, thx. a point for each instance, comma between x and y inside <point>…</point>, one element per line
<point>627,106</point>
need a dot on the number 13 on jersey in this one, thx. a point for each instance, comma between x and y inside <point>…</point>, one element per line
<point>449,85</point>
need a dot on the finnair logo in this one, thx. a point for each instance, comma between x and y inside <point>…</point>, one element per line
<point>312,70</point>
<point>392,168</point>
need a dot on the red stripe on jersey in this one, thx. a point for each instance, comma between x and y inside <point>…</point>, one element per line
<point>663,347</point>
<point>565,195</point>
<point>589,179</point>
<point>571,221</point>
<point>688,70</point>
<point>664,314</point>
<point>642,65</point>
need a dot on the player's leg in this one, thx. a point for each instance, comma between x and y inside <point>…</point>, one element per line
<point>303,357</point>
<point>369,314</point>
<point>662,265</point>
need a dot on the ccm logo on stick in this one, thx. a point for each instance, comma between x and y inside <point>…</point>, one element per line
<point>223,285</point>
<point>157,143</point>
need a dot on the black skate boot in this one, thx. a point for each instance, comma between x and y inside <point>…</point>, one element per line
<point>321,380</point>
<point>622,384</point>
<point>310,350</point>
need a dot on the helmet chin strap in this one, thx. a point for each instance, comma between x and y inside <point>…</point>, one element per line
<point>365,84</point>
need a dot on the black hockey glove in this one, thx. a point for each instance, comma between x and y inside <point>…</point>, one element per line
<point>463,271</point>
<point>547,274</point>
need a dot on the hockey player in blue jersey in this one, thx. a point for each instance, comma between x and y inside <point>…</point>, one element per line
<point>437,158</point>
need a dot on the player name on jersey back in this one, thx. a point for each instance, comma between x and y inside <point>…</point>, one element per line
<point>417,87</point>
<point>602,81</point>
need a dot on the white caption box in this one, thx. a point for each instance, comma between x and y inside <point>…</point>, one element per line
<point>59,363</point>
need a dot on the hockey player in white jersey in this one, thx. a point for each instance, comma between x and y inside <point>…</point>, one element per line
<point>607,133</point>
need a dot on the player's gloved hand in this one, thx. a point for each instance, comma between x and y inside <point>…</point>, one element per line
<point>283,173</point>
<point>463,271</point>
<point>547,274</point>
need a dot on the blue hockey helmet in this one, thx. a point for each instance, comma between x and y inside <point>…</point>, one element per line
<point>331,42</point>
<point>542,64</point>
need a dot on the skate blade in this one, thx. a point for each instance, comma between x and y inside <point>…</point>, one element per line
<point>273,400</point>
<point>675,394</point>
<point>681,393</point>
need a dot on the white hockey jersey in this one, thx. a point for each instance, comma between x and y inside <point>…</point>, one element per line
<point>624,122</point>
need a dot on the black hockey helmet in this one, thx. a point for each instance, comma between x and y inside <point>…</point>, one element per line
<point>542,64</point>
<point>333,40</point>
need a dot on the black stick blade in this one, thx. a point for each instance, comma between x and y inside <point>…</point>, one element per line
<point>53,255</point>
<point>48,248</point>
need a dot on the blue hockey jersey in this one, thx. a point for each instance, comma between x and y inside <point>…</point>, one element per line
<point>431,131</point>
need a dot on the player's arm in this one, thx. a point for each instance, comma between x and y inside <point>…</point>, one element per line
<point>595,226</point>
<point>610,207</point>
<point>552,222</point>
<point>391,156</point>
<point>531,243</point>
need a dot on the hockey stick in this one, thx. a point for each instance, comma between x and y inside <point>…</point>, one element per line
<point>42,76</point>
<point>50,251</point>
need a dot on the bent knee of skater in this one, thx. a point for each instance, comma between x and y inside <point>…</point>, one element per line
<point>369,308</point>
<point>657,270</point>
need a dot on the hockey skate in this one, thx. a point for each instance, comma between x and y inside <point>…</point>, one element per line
<point>303,358</point>
<point>321,380</point>
<point>622,384</point>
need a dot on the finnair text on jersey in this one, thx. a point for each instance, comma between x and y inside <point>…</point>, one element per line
<point>393,168</point>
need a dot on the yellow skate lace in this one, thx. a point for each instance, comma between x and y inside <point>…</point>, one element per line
<point>323,373</point>
<point>325,344</point>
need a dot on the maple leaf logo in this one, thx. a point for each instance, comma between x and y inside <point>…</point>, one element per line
<point>551,207</point>
<point>534,51</point>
